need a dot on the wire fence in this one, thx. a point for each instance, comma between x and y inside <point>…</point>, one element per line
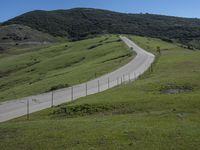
<point>72,93</point>
<point>124,75</point>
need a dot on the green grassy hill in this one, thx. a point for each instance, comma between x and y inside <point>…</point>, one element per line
<point>132,116</point>
<point>33,70</point>
<point>80,23</point>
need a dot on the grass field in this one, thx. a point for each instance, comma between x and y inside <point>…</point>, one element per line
<point>27,71</point>
<point>132,116</point>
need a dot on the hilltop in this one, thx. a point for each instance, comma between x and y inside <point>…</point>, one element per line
<point>81,23</point>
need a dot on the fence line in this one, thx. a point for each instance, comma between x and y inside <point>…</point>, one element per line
<point>91,87</point>
<point>88,88</point>
<point>31,104</point>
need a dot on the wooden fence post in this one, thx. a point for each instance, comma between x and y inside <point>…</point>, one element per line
<point>28,109</point>
<point>98,86</point>
<point>52,99</point>
<point>72,93</point>
<point>86,87</point>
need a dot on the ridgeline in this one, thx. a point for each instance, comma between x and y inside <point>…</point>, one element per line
<point>81,23</point>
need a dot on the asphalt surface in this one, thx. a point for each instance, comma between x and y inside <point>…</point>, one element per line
<point>129,72</point>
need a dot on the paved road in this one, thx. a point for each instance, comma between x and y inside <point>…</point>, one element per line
<point>129,72</point>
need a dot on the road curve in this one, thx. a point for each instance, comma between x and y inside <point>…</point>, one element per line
<point>129,72</point>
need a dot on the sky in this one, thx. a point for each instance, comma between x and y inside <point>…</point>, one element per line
<point>181,8</point>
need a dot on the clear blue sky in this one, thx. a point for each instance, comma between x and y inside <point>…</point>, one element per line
<point>183,8</point>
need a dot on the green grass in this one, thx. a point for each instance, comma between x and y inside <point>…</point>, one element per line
<point>132,116</point>
<point>34,70</point>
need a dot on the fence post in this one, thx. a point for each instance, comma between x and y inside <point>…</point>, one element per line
<point>52,99</point>
<point>27,109</point>
<point>129,77</point>
<point>108,82</point>
<point>72,93</point>
<point>121,80</point>
<point>98,86</point>
<point>66,94</point>
<point>86,89</point>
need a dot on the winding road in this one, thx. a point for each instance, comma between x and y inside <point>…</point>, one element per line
<point>129,72</point>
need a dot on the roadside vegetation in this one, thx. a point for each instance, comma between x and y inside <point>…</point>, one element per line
<point>38,69</point>
<point>137,115</point>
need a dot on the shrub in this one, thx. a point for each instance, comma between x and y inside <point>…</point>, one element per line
<point>56,87</point>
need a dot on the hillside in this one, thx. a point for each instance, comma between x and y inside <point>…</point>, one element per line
<point>134,116</point>
<point>34,70</point>
<point>80,23</point>
<point>16,34</point>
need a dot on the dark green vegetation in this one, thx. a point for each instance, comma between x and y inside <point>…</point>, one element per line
<point>27,71</point>
<point>132,116</point>
<point>81,23</point>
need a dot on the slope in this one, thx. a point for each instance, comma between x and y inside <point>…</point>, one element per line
<point>133,116</point>
<point>15,35</point>
<point>31,71</point>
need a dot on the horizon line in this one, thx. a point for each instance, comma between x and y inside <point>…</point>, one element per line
<point>124,12</point>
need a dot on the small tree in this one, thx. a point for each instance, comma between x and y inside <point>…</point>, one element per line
<point>158,49</point>
<point>190,47</point>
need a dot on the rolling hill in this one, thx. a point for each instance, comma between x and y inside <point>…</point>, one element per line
<point>34,70</point>
<point>16,34</point>
<point>80,23</point>
<point>136,115</point>
<point>131,117</point>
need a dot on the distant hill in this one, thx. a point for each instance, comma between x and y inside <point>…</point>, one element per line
<point>20,34</point>
<point>81,23</point>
